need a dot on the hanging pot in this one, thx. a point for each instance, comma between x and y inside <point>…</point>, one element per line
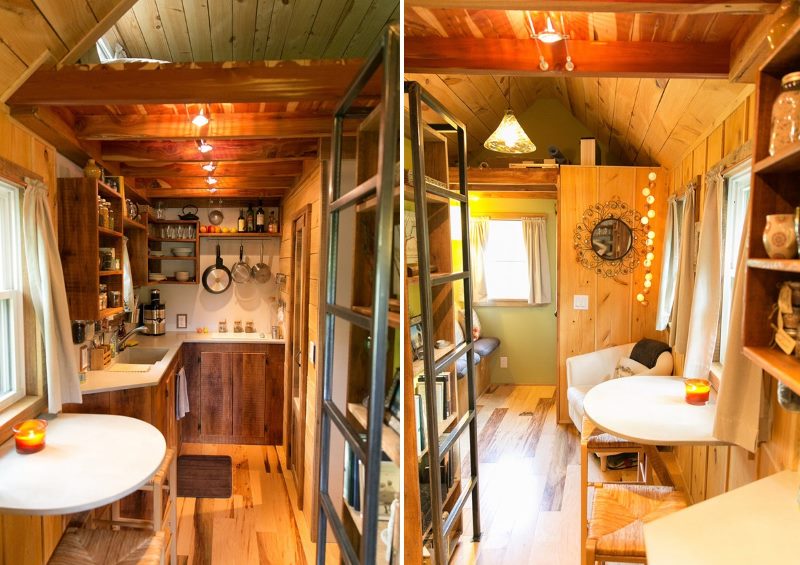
<point>217,277</point>
<point>241,270</point>
<point>261,272</point>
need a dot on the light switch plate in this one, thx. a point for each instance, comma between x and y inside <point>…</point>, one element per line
<point>312,352</point>
<point>504,362</point>
<point>580,302</point>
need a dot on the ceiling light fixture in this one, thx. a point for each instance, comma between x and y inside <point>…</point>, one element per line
<point>212,190</point>
<point>549,35</point>
<point>211,180</point>
<point>210,167</point>
<point>509,137</point>
<point>204,146</point>
<point>200,119</point>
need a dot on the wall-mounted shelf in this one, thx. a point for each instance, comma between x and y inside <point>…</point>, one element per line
<point>108,232</point>
<point>239,235</point>
<point>128,223</point>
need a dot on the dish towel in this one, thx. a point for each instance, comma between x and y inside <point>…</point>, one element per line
<point>182,405</point>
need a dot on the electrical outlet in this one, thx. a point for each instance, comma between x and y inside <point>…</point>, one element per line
<point>580,302</point>
<point>504,362</point>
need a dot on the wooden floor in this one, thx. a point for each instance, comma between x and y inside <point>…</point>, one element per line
<point>529,477</point>
<point>256,525</point>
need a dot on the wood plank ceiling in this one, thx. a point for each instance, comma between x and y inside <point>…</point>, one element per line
<point>266,117</point>
<point>645,120</point>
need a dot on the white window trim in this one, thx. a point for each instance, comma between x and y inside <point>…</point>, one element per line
<point>506,302</point>
<point>12,257</point>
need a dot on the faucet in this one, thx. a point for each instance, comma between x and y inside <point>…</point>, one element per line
<point>123,340</point>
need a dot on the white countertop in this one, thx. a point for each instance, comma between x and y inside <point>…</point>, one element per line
<point>104,381</point>
<point>650,410</point>
<point>756,523</point>
<point>89,460</point>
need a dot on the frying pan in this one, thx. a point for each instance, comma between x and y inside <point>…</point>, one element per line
<point>241,270</point>
<point>217,277</point>
<point>261,271</point>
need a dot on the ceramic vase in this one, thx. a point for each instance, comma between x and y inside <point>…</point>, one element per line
<point>92,170</point>
<point>779,236</point>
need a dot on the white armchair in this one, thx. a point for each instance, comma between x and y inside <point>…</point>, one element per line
<point>590,369</point>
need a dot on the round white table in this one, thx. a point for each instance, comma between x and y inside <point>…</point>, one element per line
<point>89,460</point>
<point>651,411</point>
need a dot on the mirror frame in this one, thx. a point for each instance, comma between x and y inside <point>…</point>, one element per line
<point>616,220</point>
<point>614,209</point>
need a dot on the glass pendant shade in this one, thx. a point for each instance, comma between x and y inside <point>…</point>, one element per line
<point>509,137</point>
<point>549,35</point>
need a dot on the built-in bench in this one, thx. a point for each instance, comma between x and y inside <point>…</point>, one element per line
<point>483,350</point>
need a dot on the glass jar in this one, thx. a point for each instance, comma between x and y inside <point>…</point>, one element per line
<point>111,222</point>
<point>102,211</point>
<point>786,114</point>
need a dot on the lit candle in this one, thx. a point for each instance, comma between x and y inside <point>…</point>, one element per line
<point>29,435</point>
<point>697,391</point>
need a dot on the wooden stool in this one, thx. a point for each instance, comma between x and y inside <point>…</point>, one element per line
<point>619,512</point>
<point>80,546</point>
<point>594,440</point>
<point>165,479</point>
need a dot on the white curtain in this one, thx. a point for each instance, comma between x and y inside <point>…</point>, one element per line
<point>127,277</point>
<point>707,299</point>
<point>49,297</point>
<point>478,237</point>
<point>684,280</point>
<point>742,415</point>
<point>669,266</point>
<point>534,231</point>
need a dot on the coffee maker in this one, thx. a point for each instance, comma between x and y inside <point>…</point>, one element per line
<point>155,315</point>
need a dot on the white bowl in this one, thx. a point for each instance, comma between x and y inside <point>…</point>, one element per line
<point>157,253</point>
<point>181,276</point>
<point>157,277</point>
<point>182,251</point>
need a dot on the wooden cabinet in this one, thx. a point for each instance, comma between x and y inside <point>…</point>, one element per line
<point>236,393</point>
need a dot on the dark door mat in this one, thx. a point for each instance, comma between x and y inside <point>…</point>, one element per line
<point>204,476</point>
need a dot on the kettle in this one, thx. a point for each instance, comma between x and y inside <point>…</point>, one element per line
<point>189,215</point>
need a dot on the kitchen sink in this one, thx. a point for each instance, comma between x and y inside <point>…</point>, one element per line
<point>141,355</point>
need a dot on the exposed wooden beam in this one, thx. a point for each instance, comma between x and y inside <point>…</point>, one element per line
<point>225,150</point>
<point>498,179</point>
<point>280,169</point>
<point>189,83</point>
<point>462,55</point>
<point>238,183</point>
<point>105,20</point>
<point>751,45</point>
<point>228,194</point>
<point>618,6</point>
<point>221,126</point>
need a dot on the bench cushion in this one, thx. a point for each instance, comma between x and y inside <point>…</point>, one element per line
<point>461,364</point>
<point>486,345</point>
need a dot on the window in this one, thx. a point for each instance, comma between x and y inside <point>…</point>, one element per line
<point>736,197</point>
<point>12,346</point>
<point>506,261</point>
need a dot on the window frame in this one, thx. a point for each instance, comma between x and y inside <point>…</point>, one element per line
<point>11,289</point>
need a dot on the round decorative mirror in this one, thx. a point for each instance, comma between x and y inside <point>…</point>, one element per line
<point>612,239</point>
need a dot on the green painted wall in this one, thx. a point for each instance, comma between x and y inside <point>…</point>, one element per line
<point>547,122</point>
<point>527,333</point>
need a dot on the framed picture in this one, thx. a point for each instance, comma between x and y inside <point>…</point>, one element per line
<point>415,329</point>
<point>182,322</point>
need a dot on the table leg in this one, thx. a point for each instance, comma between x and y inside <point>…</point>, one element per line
<point>657,464</point>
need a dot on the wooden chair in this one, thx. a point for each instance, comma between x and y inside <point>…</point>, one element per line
<point>164,481</point>
<point>619,512</point>
<point>82,546</point>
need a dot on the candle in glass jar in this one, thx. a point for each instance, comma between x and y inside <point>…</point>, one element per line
<point>29,435</point>
<point>697,391</point>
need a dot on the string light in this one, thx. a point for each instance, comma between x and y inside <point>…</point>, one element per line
<point>210,167</point>
<point>200,119</point>
<point>211,180</point>
<point>204,146</point>
<point>650,213</point>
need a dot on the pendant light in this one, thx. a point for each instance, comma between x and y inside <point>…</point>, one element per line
<point>509,137</point>
<point>200,119</point>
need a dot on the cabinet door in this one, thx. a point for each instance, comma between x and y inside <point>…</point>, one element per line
<point>215,394</point>
<point>249,393</point>
<point>275,386</point>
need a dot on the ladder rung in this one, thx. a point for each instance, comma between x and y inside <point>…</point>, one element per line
<point>453,436</point>
<point>346,428</point>
<point>359,320</point>
<point>449,277</point>
<point>444,193</point>
<point>450,357</point>
<point>362,191</point>
<point>458,507</point>
<point>348,552</point>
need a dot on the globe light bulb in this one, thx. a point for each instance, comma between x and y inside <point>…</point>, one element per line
<point>651,199</point>
<point>651,213</point>
<point>647,263</point>
<point>652,176</point>
<point>650,257</point>
<point>648,284</point>
<point>651,234</point>
<point>648,276</point>
<point>645,191</point>
<point>645,220</point>
<point>640,297</point>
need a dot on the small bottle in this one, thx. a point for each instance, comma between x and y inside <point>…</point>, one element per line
<point>272,225</point>
<point>251,219</point>
<point>260,219</point>
<point>242,226</point>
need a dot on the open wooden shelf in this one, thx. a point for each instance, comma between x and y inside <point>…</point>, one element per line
<point>109,232</point>
<point>390,439</point>
<point>108,312</point>
<point>133,193</point>
<point>170,258</point>
<point>419,364</point>
<point>169,281</point>
<point>785,368</point>
<point>785,161</point>
<point>394,317</point>
<point>785,265</point>
<point>128,223</point>
<point>185,222</point>
<point>107,192</point>
<point>240,235</point>
<point>110,273</point>
<point>162,240</point>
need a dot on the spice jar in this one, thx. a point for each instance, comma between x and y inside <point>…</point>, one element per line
<point>786,114</point>
<point>237,326</point>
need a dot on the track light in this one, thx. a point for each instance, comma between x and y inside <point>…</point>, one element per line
<point>204,146</point>
<point>211,180</point>
<point>210,167</point>
<point>200,119</point>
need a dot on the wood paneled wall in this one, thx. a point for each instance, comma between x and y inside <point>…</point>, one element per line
<point>307,192</point>
<point>614,317</point>
<point>709,471</point>
<point>28,540</point>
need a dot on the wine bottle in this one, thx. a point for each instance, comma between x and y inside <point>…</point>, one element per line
<point>251,219</point>
<point>241,225</point>
<point>260,219</point>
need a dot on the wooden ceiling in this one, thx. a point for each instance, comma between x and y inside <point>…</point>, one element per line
<point>251,30</point>
<point>646,84</point>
